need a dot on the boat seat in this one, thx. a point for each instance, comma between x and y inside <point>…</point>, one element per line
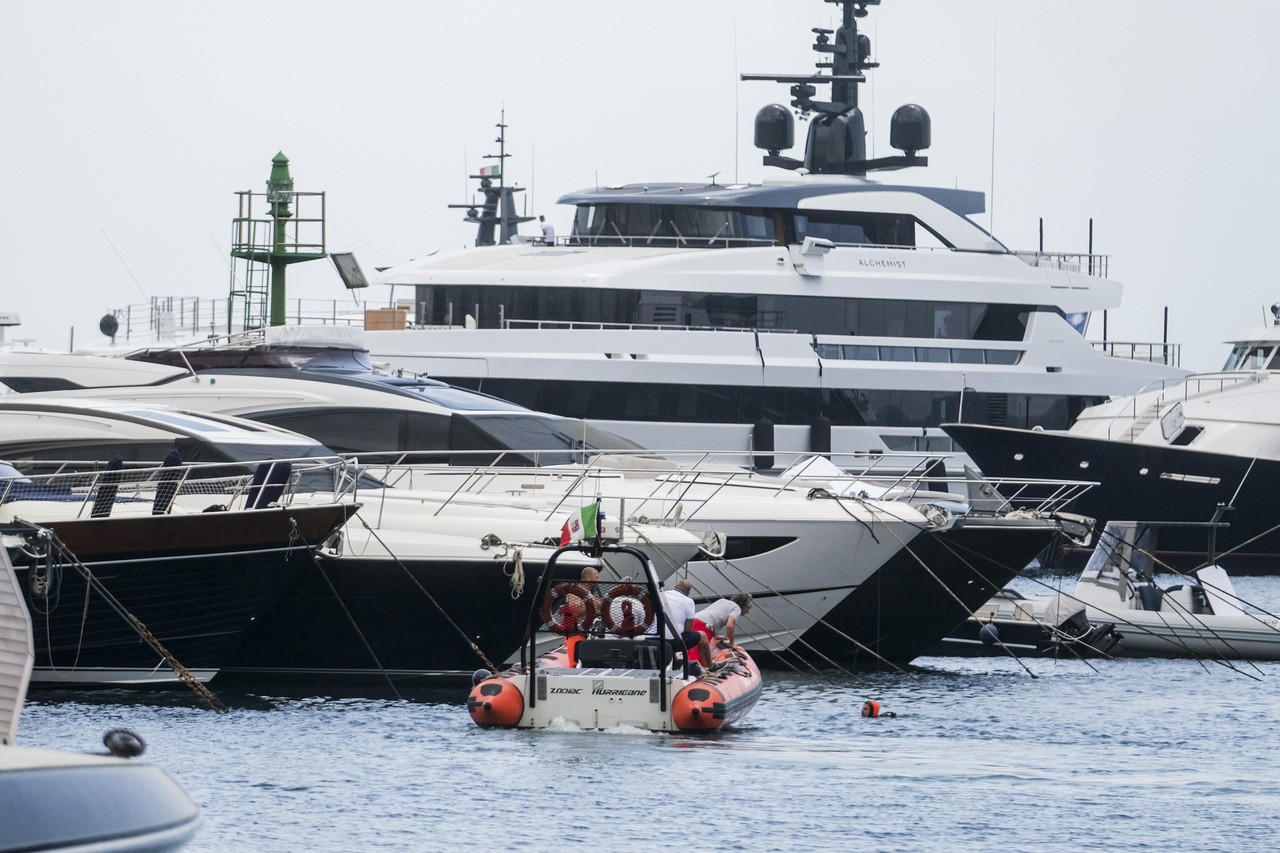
<point>619,653</point>
<point>1150,596</point>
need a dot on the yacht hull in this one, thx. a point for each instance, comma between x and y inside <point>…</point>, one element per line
<point>923,592</point>
<point>1144,482</point>
<point>199,582</point>
<point>371,618</point>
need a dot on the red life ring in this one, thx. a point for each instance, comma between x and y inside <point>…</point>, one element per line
<point>569,608</point>
<point>619,616</point>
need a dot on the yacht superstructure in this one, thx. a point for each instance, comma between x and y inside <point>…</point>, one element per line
<point>820,310</point>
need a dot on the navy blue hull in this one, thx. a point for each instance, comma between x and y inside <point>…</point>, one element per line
<point>1140,482</point>
<point>922,594</point>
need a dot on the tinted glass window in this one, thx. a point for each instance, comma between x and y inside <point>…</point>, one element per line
<point>344,430</point>
<point>492,307</point>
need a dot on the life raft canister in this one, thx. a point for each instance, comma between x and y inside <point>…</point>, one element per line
<point>496,702</point>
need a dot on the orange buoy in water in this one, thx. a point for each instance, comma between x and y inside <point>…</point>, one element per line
<point>496,702</point>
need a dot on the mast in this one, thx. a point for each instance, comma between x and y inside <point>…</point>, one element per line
<point>836,142</point>
<point>499,208</point>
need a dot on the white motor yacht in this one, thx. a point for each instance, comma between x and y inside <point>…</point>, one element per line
<point>1200,616</point>
<point>819,310</point>
<point>1117,609</point>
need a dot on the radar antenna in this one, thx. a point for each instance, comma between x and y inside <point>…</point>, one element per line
<point>836,142</point>
<point>499,207</point>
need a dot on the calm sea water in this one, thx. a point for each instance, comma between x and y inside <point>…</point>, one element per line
<point>1118,756</point>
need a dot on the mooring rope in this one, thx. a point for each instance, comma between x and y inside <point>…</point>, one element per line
<point>488,664</point>
<point>184,675</point>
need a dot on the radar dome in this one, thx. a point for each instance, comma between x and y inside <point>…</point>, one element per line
<point>909,128</point>
<point>775,128</point>
<point>109,325</point>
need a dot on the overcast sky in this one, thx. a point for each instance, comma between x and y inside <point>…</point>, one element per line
<point>129,125</point>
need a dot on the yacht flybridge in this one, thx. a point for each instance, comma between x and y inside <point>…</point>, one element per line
<point>819,310</point>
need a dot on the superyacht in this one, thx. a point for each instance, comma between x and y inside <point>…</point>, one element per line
<point>817,311</point>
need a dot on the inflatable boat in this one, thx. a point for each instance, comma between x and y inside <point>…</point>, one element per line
<point>609,673</point>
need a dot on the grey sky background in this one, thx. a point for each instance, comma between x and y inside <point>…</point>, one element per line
<point>131,124</point>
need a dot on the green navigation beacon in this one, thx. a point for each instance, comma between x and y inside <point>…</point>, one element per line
<point>267,246</point>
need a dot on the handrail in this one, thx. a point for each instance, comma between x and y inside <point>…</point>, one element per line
<point>1157,352</point>
<point>675,493</point>
<point>79,482</point>
<point>1222,379</point>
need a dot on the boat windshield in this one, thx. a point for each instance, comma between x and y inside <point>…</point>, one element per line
<point>463,400</point>
<point>681,225</point>
<point>1250,356</point>
<point>672,225</point>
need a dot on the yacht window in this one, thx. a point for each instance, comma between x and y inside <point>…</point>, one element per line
<point>176,419</point>
<point>678,225</point>
<point>702,223</point>
<point>464,400</point>
<point>1002,356</point>
<point>966,356</point>
<point>935,354</point>
<point>860,352</point>
<point>858,228</point>
<point>343,430</point>
<point>1249,357</point>
<point>1002,323</point>
<point>897,354</point>
<point>494,306</point>
<point>680,403</point>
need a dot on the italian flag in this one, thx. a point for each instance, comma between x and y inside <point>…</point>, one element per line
<point>581,525</point>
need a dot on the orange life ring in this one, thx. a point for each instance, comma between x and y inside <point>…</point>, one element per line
<point>619,616</point>
<point>569,609</point>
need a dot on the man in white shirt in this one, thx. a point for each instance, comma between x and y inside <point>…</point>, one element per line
<point>679,609</point>
<point>548,231</point>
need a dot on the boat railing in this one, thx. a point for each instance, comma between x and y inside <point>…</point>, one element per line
<point>76,489</point>
<point>1130,418</point>
<point>1153,352</point>
<point>175,319</point>
<point>673,239</point>
<point>644,327</point>
<point>664,490</point>
<point>1068,261</point>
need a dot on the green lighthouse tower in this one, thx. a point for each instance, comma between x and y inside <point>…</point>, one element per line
<point>289,228</point>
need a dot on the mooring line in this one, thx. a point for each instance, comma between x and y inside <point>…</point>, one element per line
<point>184,675</point>
<point>488,664</point>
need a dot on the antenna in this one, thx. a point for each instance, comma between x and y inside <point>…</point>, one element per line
<point>737,86</point>
<point>991,216</point>
<point>125,265</point>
